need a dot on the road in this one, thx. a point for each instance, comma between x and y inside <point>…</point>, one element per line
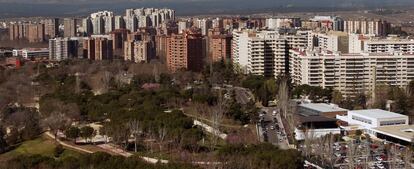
<point>243,96</point>
<point>275,136</point>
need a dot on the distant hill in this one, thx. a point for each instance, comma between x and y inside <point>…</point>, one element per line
<point>188,7</point>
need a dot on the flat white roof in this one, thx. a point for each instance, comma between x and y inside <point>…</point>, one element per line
<point>377,114</point>
<point>322,107</point>
<point>403,132</point>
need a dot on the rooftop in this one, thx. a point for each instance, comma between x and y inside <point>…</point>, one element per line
<point>323,107</point>
<point>308,119</point>
<point>403,132</point>
<point>377,113</point>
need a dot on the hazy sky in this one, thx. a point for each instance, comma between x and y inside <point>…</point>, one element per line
<point>169,1</point>
<point>10,8</point>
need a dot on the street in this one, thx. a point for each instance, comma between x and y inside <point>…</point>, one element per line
<point>271,128</point>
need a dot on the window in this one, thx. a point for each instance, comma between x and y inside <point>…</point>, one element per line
<point>391,123</point>
<point>364,120</point>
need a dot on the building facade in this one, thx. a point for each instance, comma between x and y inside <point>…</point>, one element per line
<point>350,73</point>
<point>184,51</point>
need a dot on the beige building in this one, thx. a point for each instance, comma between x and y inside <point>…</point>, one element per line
<point>350,73</point>
<point>69,27</point>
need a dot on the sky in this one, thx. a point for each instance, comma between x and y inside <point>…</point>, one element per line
<point>10,8</point>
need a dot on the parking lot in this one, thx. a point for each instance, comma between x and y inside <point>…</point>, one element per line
<point>364,155</point>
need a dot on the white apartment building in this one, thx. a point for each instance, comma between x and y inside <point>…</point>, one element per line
<point>183,25</point>
<point>389,45</point>
<point>87,26</point>
<point>350,73</point>
<point>301,39</point>
<point>145,17</point>
<point>332,41</point>
<point>368,43</point>
<point>98,25</point>
<point>260,52</point>
<point>119,22</point>
<point>102,22</point>
<point>204,24</point>
<point>109,22</point>
<point>239,50</point>
<point>62,48</point>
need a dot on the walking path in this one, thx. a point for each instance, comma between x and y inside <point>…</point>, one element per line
<point>68,145</point>
<point>108,148</point>
<point>209,121</point>
<point>210,129</point>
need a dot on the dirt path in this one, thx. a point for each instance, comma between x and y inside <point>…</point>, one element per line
<point>108,148</point>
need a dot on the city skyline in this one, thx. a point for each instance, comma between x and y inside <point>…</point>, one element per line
<point>135,84</point>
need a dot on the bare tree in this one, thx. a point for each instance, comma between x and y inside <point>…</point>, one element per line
<point>283,97</point>
<point>216,118</point>
<point>135,129</point>
<point>162,133</point>
<point>309,138</point>
<point>59,116</point>
<point>100,82</point>
<point>407,158</point>
<point>351,153</point>
<point>56,122</point>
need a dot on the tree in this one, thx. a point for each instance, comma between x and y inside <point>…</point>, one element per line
<point>58,150</point>
<point>57,115</point>
<point>72,133</point>
<point>162,133</point>
<point>401,101</point>
<point>56,122</point>
<point>283,97</point>
<point>216,118</point>
<point>134,127</point>
<point>337,97</point>
<point>25,120</point>
<point>87,132</point>
<point>3,143</point>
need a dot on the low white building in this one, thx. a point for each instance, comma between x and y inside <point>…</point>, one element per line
<point>402,134</point>
<point>28,53</point>
<point>315,133</point>
<point>372,118</point>
<point>312,127</point>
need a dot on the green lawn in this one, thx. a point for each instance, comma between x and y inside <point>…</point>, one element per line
<point>41,146</point>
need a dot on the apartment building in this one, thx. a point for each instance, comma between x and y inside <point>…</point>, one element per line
<point>363,43</point>
<point>147,17</point>
<point>184,51</point>
<point>63,48</point>
<point>98,48</point>
<point>265,52</point>
<point>332,41</point>
<point>32,32</point>
<point>389,45</point>
<point>139,51</point>
<point>70,27</point>
<point>367,27</point>
<point>51,28</point>
<point>350,73</point>
<point>219,46</point>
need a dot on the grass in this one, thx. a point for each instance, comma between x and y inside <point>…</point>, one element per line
<point>38,146</point>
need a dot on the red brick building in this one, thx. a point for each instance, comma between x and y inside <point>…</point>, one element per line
<point>185,51</point>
